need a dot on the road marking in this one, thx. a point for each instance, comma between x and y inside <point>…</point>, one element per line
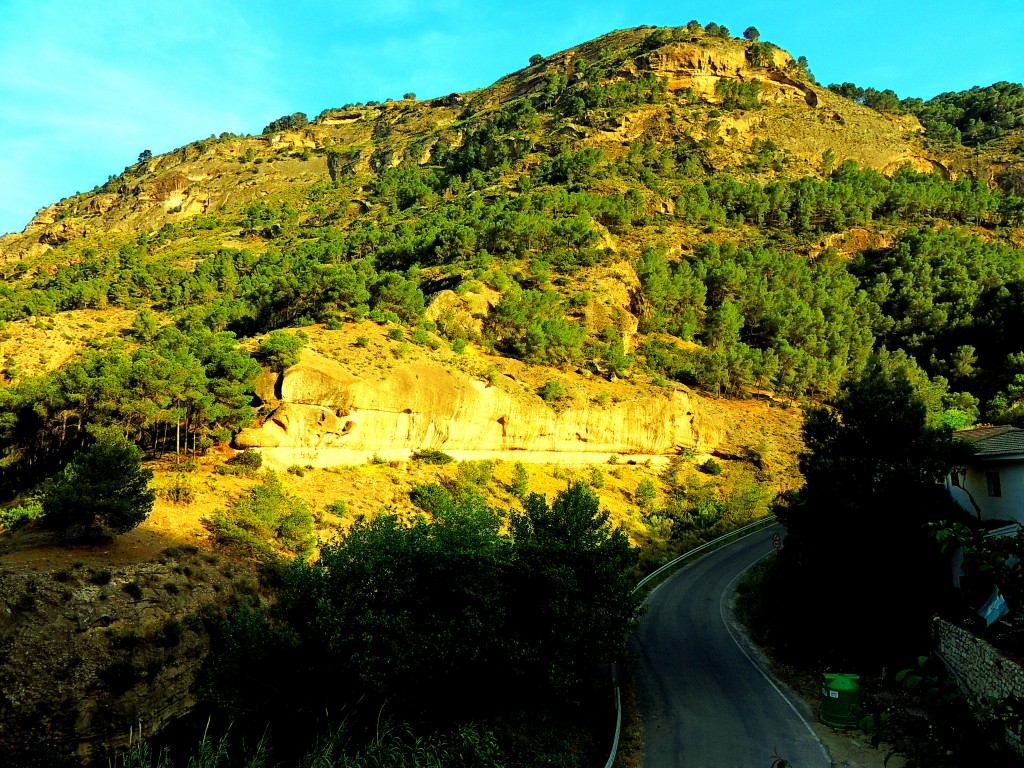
<point>755,665</point>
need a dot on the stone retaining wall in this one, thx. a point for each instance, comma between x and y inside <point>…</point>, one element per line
<point>979,668</point>
<point>981,672</point>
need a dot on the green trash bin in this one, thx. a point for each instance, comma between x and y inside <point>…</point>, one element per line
<point>840,700</point>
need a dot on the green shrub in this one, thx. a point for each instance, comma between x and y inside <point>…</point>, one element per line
<point>170,633</point>
<point>711,467</point>
<point>338,507</point>
<point>474,473</point>
<point>100,577</point>
<point>297,470</point>
<point>16,517</point>
<point>120,676</point>
<point>245,463</point>
<point>180,490</point>
<point>130,638</point>
<point>286,122</point>
<point>133,589</point>
<point>266,521</point>
<point>552,392</point>
<point>396,334</point>
<point>520,480</point>
<point>362,341</point>
<point>430,497</point>
<point>432,456</point>
<point>106,484</point>
<point>645,494</point>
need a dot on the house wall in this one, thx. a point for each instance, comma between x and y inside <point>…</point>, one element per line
<point>1009,506</point>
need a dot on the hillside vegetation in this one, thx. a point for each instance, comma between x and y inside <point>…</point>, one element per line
<point>666,216</point>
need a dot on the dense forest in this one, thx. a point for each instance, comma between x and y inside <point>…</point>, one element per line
<point>743,286</point>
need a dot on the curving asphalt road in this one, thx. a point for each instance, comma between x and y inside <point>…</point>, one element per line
<point>704,701</point>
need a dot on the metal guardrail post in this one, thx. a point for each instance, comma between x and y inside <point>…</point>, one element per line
<point>746,530</point>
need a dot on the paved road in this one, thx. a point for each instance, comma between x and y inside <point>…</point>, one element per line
<point>704,702</point>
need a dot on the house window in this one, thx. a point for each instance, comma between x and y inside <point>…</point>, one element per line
<point>993,484</point>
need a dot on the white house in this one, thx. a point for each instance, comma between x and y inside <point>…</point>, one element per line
<point>991,485</point>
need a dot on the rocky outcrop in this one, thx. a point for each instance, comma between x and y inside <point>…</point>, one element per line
<point>319,405</point>
<point>701,67</point>
<point>461,314</point>
<point>93,655</point>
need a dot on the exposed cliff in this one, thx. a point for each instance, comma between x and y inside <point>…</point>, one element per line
<point>92,655</point>
<point>321,414</point>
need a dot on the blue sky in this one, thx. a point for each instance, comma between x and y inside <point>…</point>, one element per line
<point>85,87</point>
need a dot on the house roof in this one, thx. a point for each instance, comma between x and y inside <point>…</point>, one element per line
<point>992,442</point>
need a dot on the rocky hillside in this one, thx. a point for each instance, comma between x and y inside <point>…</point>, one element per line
<point>802,119</point>
<point>637,103</point>
<point>628,263</point>
<point>571,223</point>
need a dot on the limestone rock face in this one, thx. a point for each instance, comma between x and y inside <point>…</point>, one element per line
<point>691,65</point>
<point>321,406</point>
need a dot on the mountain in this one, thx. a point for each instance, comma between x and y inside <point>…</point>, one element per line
<point>652,246</point>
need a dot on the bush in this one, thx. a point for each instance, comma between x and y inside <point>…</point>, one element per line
<point>133,589</point>
<point>338,507</point>
<point>432,456</point>
<point>645,494</point>
<point>475,473</point>
<point>15,517</point>
<point>266,521</point>
<point>421,612</point>
<point>430,497</point>
<point>170,633</point>
<point>245,463</point>
<point>711,467</point>
<point>180,490</point>
<point>552,392</point>
<point>520,480</point>
<point>120,676</point>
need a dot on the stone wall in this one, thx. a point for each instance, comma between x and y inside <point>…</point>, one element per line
<point>982,673</point>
